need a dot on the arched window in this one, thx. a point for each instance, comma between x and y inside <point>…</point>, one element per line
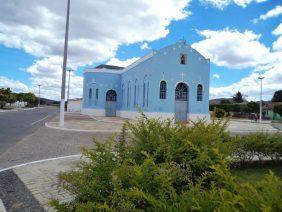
<point>111,96</point>
<point>181,92</point>
<point>163,90</point>
<point>135,93</point>
<point>183,59</point>
<point>97,95</point>
<point>122,96</point>
<point>144,102</point>
<point>128,94</point>
<point>199,92</point>
<point>144,92</point>
<point>147,93</point>
<point>90,93</point>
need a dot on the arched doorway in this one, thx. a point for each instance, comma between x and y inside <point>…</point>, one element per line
<point>110,106</point>
<point>181,102</point>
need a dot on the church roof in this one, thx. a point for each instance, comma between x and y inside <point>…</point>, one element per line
<point>104,66</point>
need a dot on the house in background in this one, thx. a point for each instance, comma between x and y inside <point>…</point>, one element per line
<point>268,111</point>
<point>74,105</point>
<point>172,82</point>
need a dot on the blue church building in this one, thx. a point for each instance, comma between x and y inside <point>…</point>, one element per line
<point>172,82</point>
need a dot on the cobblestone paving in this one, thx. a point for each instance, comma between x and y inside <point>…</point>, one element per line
<point>244,127</point>
<point>42,180</point>
<point>47,143</point>
<point>15,195</point>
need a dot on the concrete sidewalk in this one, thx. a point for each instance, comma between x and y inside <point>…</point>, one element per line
<point>34,184</point>
<point>83,123</point>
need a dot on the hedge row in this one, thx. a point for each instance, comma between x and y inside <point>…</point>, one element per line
<point>250,107</point>
<point>162,166</point>
<point>259,146</point>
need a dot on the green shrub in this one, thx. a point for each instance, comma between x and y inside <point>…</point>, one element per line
<point>262,145</point>
<point>219,113</point>
<point>278,109</point>
<point>156,165</point>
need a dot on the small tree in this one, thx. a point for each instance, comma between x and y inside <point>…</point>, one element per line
<point>219,113</point>
<point>253,107</point>
<point>238,97</point>
<point>278,109</point>
<point>30,98</point>
<point>277,97</point>
<point>225,101</point>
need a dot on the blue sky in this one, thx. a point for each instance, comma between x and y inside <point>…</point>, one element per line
<point>26,60</point>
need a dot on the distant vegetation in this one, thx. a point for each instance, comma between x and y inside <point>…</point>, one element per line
<point>7,96</point>
<point>277,97</point>
<point>238,106</point>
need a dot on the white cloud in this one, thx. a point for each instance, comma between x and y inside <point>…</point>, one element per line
<point>275,12</point>
<point>122,63</point>
<point>278,30</point>
<point>250,85</point>
<point>221,4</point>
<point>216,76</point>
<point>47,72</point>
<point>37,27</point>
<point>270,68</point>
<point>231,48</point>
<point>277,45</point>
<point>15,85</point>
<point>145,46</point>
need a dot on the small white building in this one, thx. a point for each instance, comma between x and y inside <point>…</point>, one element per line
<point>17,104</point>
<point>74,105</point>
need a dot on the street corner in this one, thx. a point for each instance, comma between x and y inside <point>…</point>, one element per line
<point>84,123</point>
<point>31,186</point>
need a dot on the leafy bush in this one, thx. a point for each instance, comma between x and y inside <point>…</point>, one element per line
<point>234,107</point>
<point>156,165</point>
<point>278,109</point>
<point>219,113</point>
<point>260,145</point>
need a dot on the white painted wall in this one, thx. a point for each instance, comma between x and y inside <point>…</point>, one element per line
<point>16,104</point>
<point>135,114</point>
<point>74,105</point>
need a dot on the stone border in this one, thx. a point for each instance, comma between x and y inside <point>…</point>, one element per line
<point>39,161</point>
<point>78,130</point>
<point>106,121</point>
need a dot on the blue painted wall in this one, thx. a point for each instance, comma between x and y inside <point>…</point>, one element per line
<point>163,65</point>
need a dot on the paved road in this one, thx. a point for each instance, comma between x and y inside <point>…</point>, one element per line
<point>15,125</point>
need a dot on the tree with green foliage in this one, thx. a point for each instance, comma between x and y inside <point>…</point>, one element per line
<point>277,97</point>
<point>156,165</point>
<point>238,97</point>
<point>252,107</point>
<point>6,96</point>
<point>278,109</point>
<point>225,101</point>
<point>30,98</point>
<point>219,113</point>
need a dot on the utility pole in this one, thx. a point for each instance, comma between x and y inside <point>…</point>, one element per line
<point>69,70</point>
<point>38,105</point>
<point>260,104</point>
<point>63,89</point>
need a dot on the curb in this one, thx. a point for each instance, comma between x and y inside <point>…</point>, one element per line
<point>2,207</point>
<point>18,109</point>
<point>78,130</point>
<point>38,161</point>
<point>99,120</point>
<point>249,121</point>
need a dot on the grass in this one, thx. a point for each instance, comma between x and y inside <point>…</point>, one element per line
<point>254,174</point>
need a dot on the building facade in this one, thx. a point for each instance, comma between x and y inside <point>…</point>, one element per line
<point>172,82</point>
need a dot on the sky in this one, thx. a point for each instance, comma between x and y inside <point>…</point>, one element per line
<point>242,38</point>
